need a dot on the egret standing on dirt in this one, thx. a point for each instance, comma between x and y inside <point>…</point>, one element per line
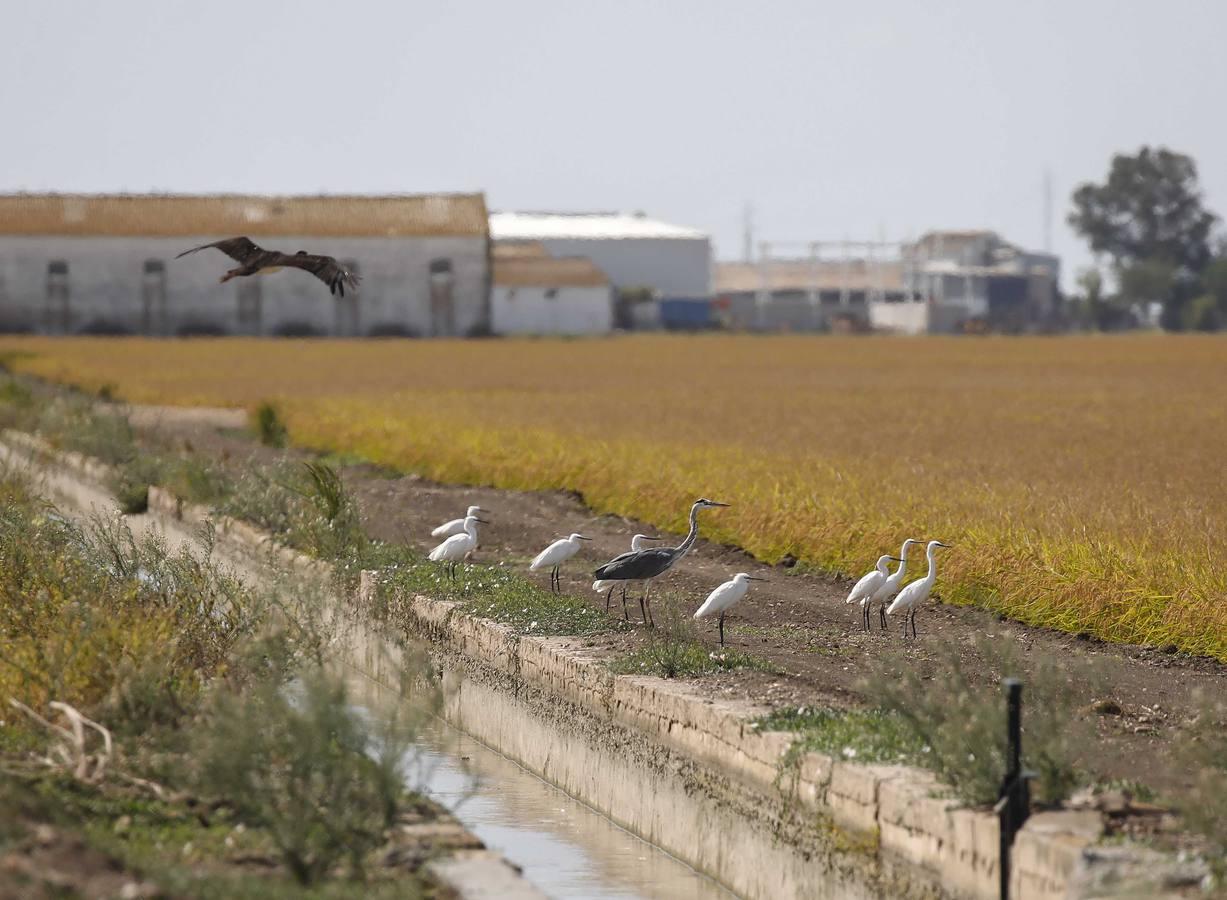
<point>917,592</point>
<point>721,600</point>
<point>456,526</point>
<point>891,585</point>
<point>653,562</point>
<point>457,547</point>
<point>601,587</point>
<point>555,555</point>
<point>864,590</point>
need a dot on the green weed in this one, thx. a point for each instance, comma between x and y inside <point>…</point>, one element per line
<point>268,426</point>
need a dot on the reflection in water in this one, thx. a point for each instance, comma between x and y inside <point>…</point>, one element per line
<point>564,847</point>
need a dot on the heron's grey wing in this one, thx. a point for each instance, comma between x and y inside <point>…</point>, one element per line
<point>240,249</point>
<point>637,564</point>
<point>325,268</point>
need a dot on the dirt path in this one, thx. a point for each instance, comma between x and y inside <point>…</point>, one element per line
<point>798,620</point>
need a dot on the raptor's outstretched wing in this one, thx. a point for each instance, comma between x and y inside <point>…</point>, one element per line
<point>325,268</point>
<point>240,249</point>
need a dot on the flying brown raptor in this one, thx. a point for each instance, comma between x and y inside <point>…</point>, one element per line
<point>254,260</point>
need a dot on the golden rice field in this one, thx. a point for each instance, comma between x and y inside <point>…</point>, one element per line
<point>1081,479</point>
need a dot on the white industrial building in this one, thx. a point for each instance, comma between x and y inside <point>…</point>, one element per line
<point>672,263</point>
<point>537,294</point>
<point>73,264</point>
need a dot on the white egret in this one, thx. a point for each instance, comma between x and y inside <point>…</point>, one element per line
<point>458,547</point>
<point>555,555</point>
<point>891,585</point>
<point>864,590</point>
<point>720,600</point>
<point>456,526</point>
<point>601,587</point>
<point>917,592</point>
<point>653,562</point>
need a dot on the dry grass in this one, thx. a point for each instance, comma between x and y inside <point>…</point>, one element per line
<point>1079,478</point>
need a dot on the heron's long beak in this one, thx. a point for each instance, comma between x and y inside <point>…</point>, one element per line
<point>645,538</point>
<point>940,544</point>
<point>894,559</point>
<point>756,578</point>
<point>582,538</point>
<point>481,509</point>
<point>483,521</point>
<point>714,503</point>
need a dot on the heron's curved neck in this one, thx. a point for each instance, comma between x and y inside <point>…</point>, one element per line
<point>693,534</point>
<point>899,572</point>
<point>470,528</point>
<point>931,575</point>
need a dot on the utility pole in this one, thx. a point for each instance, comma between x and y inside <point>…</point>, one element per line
<point>1047,210</point>
<point>747,233</point>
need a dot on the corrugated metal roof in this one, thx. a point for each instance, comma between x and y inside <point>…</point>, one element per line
<point>802,275</point>
<point>535,271</point>
<point>584,226</point>
<point>426,215</point>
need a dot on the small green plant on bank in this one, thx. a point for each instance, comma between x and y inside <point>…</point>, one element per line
<point>491,592</point>
<point>673,650</point>
<point>863,735</point>
<point>269,427</point>
<point>962,723</point>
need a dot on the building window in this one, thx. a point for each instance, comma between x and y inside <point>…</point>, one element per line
<point>346,321</point>
<point>250,300</point>
<point>57,312</point>
<point>442,305</point>
<point>153,297</point>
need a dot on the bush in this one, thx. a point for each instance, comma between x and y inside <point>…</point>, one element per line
<point>962,724</point>
<point>98,619</point>
<point>302,762</point>
<point>269,427</point>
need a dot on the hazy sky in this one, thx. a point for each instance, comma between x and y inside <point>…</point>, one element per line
<point>835,120</point>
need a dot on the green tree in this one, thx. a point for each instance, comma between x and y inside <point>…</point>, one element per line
<point>1150,208</point>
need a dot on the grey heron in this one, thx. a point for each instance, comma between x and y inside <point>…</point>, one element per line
<point>917,592</point>
<point>601,587</point>
<point>645,565</point>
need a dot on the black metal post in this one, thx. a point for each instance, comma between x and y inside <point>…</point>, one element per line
<point>1014,798</point>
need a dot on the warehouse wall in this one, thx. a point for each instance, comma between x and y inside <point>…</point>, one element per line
<point>106,287</point>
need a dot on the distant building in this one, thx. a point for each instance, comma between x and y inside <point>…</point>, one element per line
<point>666,267</point>
<point>947,282</point>
<point>961,281</point>
<point>793,294</point>
<point>535,293</point>
<point>72,264</point>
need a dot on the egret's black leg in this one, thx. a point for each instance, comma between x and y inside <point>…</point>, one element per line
<point>913,623</point>
<point>904,635</point>
<point>625,615</point>
<point>647,599</point>
<point>882,616</point>
<point>721,623</point>
<point>865,616</point>
<point>609,596</point>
